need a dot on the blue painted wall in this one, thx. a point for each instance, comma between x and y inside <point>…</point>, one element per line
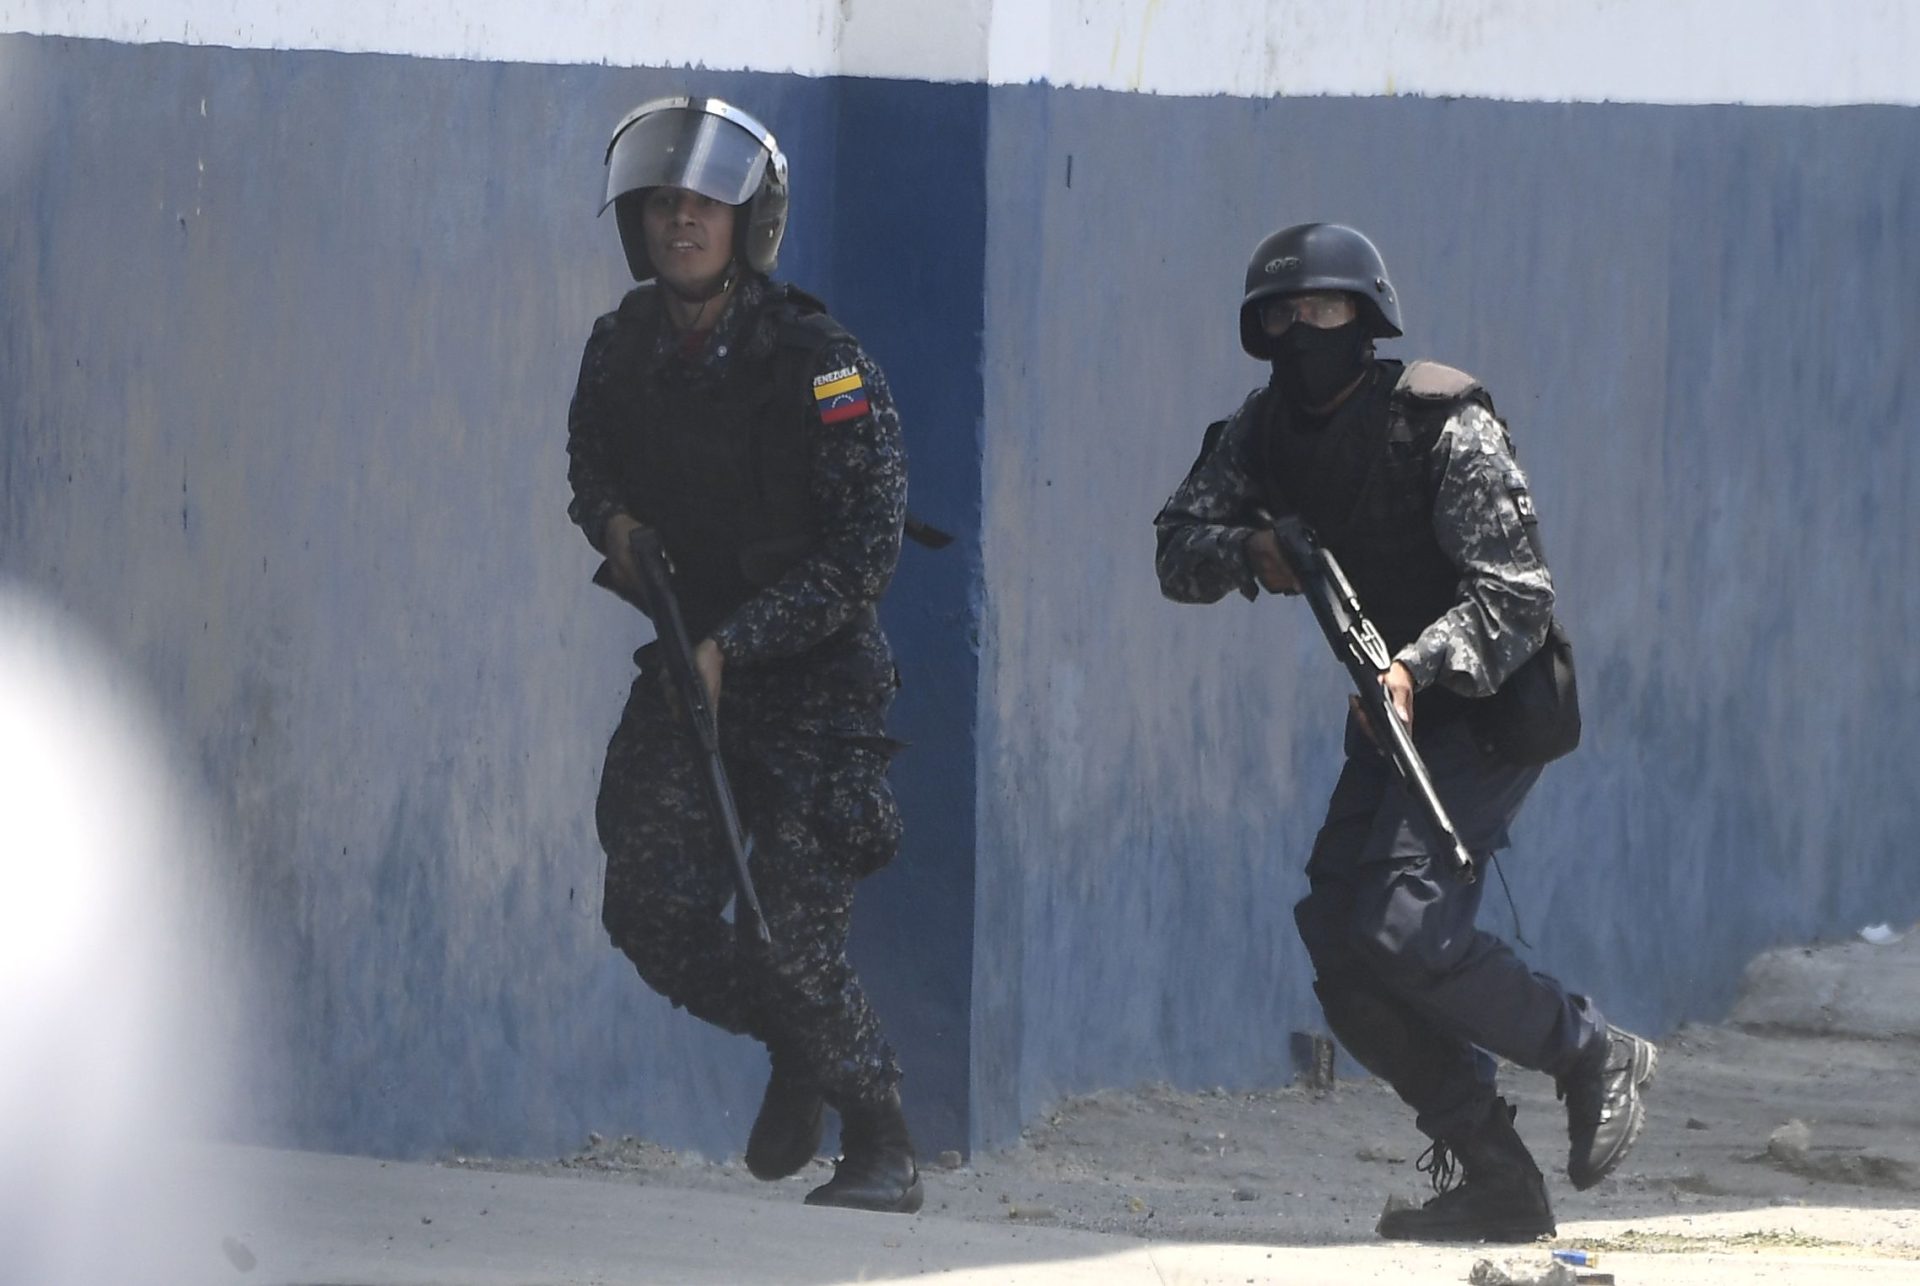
<point>286,344</point>
<point>285,354</point>
<point>1698,321</point>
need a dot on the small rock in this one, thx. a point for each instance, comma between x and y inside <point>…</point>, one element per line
<point>1030,1212</point>
<point>1381,1152</point>
<point>1790,1143</point>
<point>948,1160</point>
<point>594,1140</point>
<point>1695,1123</point>
<point>1522,1272</point>
<point>237,1254</point>
<point>1136,1205</point>
<point>1785,1201</point>
<point>1245,1194</point>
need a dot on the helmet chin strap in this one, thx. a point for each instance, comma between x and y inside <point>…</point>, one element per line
<point>722,285</point>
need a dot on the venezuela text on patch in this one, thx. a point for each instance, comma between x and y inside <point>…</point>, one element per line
<point>840,395</point>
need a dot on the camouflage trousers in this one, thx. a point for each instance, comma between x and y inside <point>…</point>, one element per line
<point>821,815</point>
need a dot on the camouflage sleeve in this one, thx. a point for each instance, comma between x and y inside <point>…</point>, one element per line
<point>590,471</point>
<point>1200,534</point>
<point>1506,595</point>
<point>858,486</point>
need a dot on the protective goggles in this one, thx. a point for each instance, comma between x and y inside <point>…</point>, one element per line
<point>1320,309</point>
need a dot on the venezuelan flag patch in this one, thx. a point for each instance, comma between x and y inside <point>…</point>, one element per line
<point>840,395</point>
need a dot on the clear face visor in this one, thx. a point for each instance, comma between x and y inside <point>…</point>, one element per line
<point>687,147</point>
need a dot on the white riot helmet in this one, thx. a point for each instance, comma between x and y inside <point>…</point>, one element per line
<point>704,145</point>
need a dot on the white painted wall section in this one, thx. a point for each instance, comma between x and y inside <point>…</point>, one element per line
<point>1678,51</point>
<point>1538,50</point>
<point>908,39</point>
<point>915,39</point>
<point>1667,51</point>
<point>760,35</point>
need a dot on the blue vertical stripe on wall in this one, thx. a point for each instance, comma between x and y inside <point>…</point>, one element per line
<point>909,223</point>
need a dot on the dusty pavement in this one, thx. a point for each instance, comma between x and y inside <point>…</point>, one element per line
<point>1786,1140</point>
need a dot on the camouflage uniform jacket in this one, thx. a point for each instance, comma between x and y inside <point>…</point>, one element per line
<point>1503,601</point>
<point>856,483</point>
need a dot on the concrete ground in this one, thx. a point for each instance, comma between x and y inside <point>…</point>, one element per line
<point>314,1220</point>
<point>1781,1148</point>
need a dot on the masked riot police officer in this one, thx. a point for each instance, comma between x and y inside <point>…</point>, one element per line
<point>1410,481</point>
<point>734,416</point>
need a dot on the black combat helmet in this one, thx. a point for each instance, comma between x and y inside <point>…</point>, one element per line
<point>709,146</point>
<point>1317,256</point>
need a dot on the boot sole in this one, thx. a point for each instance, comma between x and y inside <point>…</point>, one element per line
<point>1646,1059</point>
<point>784,1168</point>
<point>909,1202</point>
<point>1507,1234</point>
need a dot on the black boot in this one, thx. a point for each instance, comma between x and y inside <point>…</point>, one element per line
<point>1605,1113</point>
<point>1501,1198</point>
<point>786,1134</point>
<point>877,1172</point>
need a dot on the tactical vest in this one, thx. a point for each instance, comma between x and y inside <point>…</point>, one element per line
<point>718,465</point>
<point>1362,482</point>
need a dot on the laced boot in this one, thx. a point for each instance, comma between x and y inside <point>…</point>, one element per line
<point>1501,1196</point>
<point>786,1134</point>
<point>1605,1112</point>
<point>877,1171</point>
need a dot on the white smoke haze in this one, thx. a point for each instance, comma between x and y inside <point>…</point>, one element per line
<point>115,1000</point>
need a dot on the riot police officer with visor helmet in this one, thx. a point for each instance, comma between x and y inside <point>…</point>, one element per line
<point>734,416</point>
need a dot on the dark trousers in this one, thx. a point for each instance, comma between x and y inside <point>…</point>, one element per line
<point>1415,992</point>
<point>821,816</point>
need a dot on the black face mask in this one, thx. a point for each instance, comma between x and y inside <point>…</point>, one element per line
<point>1313,365</point>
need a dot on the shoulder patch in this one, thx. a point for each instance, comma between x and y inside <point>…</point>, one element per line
<point>840,395</point>
<point>1523,501</point>
<point>1437,382</point>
